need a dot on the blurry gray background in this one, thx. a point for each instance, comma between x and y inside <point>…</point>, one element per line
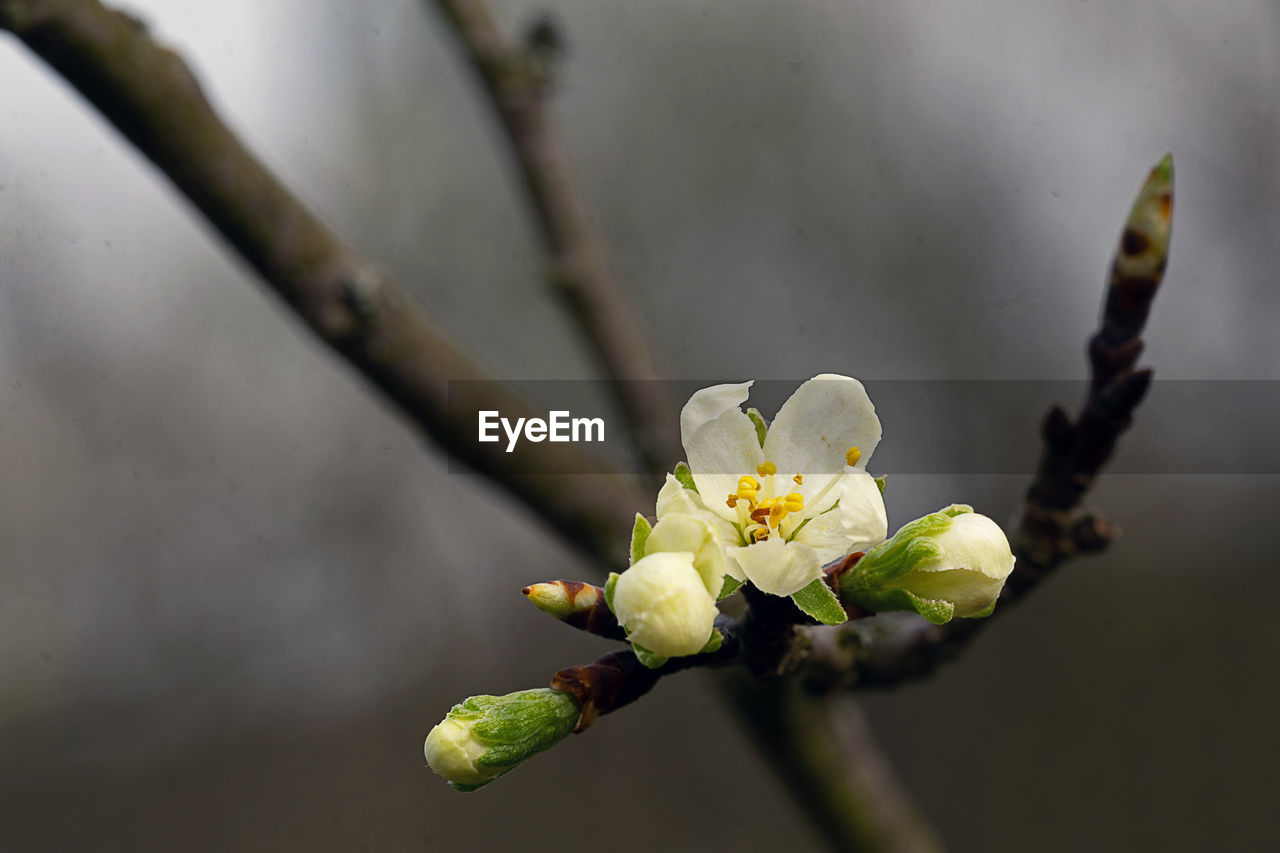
<point>235,592</point>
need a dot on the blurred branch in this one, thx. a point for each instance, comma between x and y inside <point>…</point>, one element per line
<point>826,758</point>
<point>515,79</point>
<point>355,307</point>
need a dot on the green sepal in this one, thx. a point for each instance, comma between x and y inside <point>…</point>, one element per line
<point>639,535</point>
<point>937,612</point>
<point>762,428</point>
<point>956,509</point>
<point>684,476</point>
<point>609,586</point>
<point>731,585</point>
<point>818,601</point>
<point>467,789</point>
<point>912,544</point>
<point>646,657</point>
<point>714,642</point>
<point>518,725</point>
<point>881,482</point>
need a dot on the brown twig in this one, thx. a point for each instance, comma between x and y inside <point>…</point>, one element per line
<point>354,306</point>
<point>1052,526</point>
<point>515,80</point>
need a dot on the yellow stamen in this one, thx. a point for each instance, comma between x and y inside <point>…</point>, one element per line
<point>747,486</point>
<point>766,469</point>
<point>852,456</point>
<point>758,534</point>
<point>799,478</point>
<point>777,512</point>
<point>794,502</point>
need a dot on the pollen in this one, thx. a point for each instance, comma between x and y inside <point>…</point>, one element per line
<point>748,486</point>
<point>766,469</point>
<point>793,502</point>
<point>851,456</point>
<point>799,478</point>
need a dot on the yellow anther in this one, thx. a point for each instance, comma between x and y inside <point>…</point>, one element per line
<point>777,512</point>
<point>766,469</point>
<point>799,478</point>
<point>852,456</point>
<point>758,534</point>
<point>748,484</point>
<point>794,502</point>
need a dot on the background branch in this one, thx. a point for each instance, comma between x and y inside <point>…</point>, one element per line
<point>515,79</point>
<point>351,304</point>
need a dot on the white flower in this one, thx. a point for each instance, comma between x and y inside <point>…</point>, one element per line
<point>802,498</point>
<point>664,605</point>
<point>950,563</point>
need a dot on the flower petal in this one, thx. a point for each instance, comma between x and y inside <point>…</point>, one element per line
<point>975,543</point>
<point>664,606</point>
<point>778,567</point>
<point>816,427</point>
<point>970,591</point>
<point>675,499</point>
<point>858,523</point>
<point>678,532</point>
<point>720,442</point>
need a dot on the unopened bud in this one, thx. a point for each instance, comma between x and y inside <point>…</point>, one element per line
<point>664,605</point>
<point>950,563</point>
<point>486,736</point>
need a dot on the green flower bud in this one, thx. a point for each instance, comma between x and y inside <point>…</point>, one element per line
<point>485,736</point>
<point>950,563</point>
<point>664,606</point>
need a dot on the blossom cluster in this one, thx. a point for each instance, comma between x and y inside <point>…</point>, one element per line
<point>772,504</point>
<point>766,504</point>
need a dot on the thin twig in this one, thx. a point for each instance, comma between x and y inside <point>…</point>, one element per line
<point>355,307</point>
<point>515,79</point>
<point>1052,525</point>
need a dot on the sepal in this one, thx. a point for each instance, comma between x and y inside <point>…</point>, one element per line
<point>818,601</point>
<point>639,536</point>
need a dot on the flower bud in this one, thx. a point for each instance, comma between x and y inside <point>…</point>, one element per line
<point>678,532</point>
<point>485,736</point>
<point>950,563</point>
<point>663,603</point>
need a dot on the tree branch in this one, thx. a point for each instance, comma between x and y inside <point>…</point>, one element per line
<point>355,307</point>
<point>515,80</point>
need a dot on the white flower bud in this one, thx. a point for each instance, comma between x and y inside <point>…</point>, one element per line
<point>485,736</point>
<point>950,563</point>
<point>663,604</point>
